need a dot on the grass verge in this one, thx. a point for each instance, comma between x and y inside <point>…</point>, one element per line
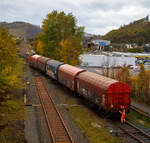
<point>12,116</point>
<point>92,125</point>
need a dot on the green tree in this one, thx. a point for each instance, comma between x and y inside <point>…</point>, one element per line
<point>56,29</point>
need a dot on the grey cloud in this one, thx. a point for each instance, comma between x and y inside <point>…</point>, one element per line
<point>105,5</point>
<point>97,16</point>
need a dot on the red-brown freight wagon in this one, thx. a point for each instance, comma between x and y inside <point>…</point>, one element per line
<point>42,63</point>
<point>52,67</point>
<point>67,74</point>
<point>33,60</point>
<point>107,93</point>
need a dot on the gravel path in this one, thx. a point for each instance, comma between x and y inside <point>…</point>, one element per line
<point>35,130</point>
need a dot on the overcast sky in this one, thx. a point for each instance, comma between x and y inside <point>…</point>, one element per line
<point>97,16</point>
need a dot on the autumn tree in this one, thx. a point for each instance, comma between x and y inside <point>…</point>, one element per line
<point>59,29</point>
<point>71,47</point>
<point>7,50</point>
<point>141,81</point>
<point>38,44</point>
<point>132,85</point>
<point>148,86</point>
<point>38,47</point>
<point>10,65</point>
<point>123,74</point>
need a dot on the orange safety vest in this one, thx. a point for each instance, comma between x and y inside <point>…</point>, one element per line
<point>123,114</point>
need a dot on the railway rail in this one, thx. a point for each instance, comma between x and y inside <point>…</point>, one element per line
<point>138,135</point>
<point>55,123</point>
<point>146,114</point>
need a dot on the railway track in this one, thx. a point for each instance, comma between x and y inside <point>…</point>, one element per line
<point>140,111</point>
<point>55,123</point>
<point>138,135</point>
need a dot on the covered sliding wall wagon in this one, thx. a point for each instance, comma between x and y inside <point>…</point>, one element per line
<point>107,93</point>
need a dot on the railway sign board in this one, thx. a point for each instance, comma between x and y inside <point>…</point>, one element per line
<point>102,43</point>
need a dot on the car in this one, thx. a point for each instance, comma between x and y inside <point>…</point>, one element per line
<point>136,68</point>
<point>147,65</point>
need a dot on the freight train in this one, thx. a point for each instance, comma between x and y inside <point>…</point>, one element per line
<point>108,94</point>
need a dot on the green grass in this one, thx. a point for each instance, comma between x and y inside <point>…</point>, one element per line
<point>85,118</point>
<point>12,115</point>
<point>138,118</point>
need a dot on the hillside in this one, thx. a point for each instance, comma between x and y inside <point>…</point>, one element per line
<point>135,32</point>
<point>22,29</point>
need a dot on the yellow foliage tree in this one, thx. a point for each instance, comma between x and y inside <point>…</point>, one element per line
<point>133,85</point>
<point>123,74</point>
<point>39,47</point>
<point>141,82</point>
<point>70,50</point>
<point>10,65</point>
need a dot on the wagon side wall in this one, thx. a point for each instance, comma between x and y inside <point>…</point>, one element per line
<point>67,75</point>
<point>42,64</point>
<point>91,93</point>
<point>52,68</point>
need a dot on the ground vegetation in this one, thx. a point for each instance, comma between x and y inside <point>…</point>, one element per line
<point>135,32</point>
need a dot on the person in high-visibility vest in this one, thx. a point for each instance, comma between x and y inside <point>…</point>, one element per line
<point>123,113</point>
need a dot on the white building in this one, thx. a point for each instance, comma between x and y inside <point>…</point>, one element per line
<point>106,61</point>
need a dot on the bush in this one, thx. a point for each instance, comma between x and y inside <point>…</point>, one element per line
<point>135,50</point>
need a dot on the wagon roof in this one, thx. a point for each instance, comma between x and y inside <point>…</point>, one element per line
<point>36,56</point>
<point>70,70</point>
<point>54,63</point>
<point>43,59</point>
<point>102,83</point>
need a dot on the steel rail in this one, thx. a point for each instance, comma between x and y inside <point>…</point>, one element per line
<point>146,114</point>
<point>133,132</point>
<point>56,125</point>
<point>45,113</point>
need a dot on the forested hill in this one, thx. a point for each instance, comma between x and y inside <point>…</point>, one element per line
<point>21,29</point>
<point>135,32</point>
